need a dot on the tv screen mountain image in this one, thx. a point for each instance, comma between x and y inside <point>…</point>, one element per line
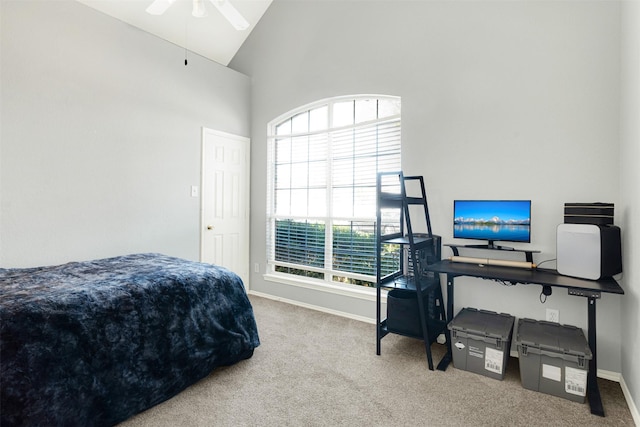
<point>503,220</point>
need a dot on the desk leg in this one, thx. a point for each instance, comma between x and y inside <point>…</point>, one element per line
<point>593,391</point>
<point>446,359</point>
<point>378,315</point>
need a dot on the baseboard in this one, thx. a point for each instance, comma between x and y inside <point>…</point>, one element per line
<point>609,375</point>
<point>630,403</point>
<point>314,307</point>
<point>604,374</point>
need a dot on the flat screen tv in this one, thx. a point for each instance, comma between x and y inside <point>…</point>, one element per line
<point>492,220</point>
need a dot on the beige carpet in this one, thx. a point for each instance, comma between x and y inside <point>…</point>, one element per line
<point>316,369</point>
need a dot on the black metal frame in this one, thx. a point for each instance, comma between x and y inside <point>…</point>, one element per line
<point>412,273</point>
<point>591,289</point>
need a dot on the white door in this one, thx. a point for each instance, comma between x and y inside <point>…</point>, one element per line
<point>225,202</point>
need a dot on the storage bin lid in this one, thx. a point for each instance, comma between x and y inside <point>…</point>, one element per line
<point>554,337</point>
<point>483,323</point>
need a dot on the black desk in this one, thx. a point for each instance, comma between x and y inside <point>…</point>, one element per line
<point>591,289</point>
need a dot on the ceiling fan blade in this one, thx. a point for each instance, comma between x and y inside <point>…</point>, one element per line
<point>230,13</point>
<point>158,7</point>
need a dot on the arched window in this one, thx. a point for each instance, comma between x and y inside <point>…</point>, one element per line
<point>323,160</point>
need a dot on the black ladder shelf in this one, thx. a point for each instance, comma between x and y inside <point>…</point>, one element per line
<point>401,258</point>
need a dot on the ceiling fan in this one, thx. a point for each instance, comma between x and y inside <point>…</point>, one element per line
<point>158,7</point>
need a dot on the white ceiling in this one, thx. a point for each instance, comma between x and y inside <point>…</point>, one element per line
<point>212,36</point>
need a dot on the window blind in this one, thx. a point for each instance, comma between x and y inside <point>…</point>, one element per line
<point>321,204</point>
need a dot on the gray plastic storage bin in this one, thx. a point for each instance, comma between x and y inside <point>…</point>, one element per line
<point>481,341</point>
<point>554,358</point>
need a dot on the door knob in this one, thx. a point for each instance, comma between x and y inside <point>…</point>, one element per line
<point>210,227</point>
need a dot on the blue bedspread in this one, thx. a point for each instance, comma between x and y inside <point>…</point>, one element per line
<point>92,343</point>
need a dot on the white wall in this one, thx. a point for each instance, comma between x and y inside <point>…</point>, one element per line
<point>499,100</point>
<point>630,190</point>
<point>101,135</point>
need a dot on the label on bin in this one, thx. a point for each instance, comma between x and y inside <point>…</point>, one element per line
<point>493,360</point>
<point>575,381</point>
<point>475,352</point>
<point>551,372</point>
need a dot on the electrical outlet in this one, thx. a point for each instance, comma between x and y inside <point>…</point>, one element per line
<point>256,267</point>
<point>553,315</point>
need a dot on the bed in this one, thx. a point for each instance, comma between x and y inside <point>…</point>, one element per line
<point>93,343</point>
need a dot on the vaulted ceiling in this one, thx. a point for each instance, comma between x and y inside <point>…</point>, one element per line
<point>211,36</point>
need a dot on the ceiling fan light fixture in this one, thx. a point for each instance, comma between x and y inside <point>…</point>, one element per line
<point>231,14</point>
<point>158,7</point>
<point>198,9</point>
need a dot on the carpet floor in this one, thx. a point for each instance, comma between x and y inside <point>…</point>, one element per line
<point>317,369</point>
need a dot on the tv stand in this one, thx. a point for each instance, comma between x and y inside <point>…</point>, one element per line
<point>491,246</point>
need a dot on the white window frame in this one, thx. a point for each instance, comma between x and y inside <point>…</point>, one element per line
<point>327,283</point>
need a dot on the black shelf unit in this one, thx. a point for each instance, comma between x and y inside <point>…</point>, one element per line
<point>401,209</point>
